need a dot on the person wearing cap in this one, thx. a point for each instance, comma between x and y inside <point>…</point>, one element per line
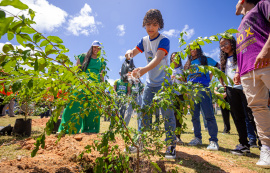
<point>88,62</point>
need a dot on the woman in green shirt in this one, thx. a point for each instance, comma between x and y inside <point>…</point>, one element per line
<point>88,62</point>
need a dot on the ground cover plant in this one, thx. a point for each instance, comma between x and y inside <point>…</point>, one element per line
<point>52,71</point>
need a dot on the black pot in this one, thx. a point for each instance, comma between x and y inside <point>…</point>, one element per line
<point>56,126</point>
<point>22,127</point>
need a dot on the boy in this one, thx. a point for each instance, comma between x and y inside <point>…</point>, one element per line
<point>156,48</point>
<point>253,57</point>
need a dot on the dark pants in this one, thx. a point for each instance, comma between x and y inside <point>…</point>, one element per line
<point>226,118</point>
<point>177,105</point>
<point>236,98</point>
<point>1,106</point>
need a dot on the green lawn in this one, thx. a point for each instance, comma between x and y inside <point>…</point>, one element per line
<point>226,143</point>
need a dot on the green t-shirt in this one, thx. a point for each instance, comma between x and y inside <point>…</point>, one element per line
<point>121,87</point>
<point>95,66</point>
<point>136,89</point>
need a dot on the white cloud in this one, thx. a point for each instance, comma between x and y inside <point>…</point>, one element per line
<point>121,58</point>
<point>214,54</point>
<point>171,33</point>
<point>111,81</point>
<point>48,17</point>
<point>83,23</point>
<point>175,32</point>
<point>121,30</point>
<point>190,32</point>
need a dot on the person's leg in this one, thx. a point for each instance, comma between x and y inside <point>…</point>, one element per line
<point>128,115</point>
<point>226,118</point>
<point>196,120</point>
<point>207,107</point>
<point>144,117</point>
<point>4,109</point>
<point>257,93</point>
<point>204,120</point>
<point>178,106</point>
<point>238,114</point>
<point>256,86</point>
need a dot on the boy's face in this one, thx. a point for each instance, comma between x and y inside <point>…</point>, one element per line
<point>152,29</point>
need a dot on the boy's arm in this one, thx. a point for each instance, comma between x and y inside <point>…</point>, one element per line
<point>131,53</point>
<point>138,72</point>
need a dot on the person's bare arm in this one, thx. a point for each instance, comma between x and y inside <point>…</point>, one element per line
<point>140,71</point>
<point>131,53</point>
<point>239,8</point>
<point>236,78</point>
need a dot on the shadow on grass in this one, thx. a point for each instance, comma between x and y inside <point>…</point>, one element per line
<point>194,162</point>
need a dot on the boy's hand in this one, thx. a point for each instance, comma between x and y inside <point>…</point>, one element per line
<point>173,76</point>
<point>137,72</point>
<point>129,54</point>
<point>236,79</point>
<point>263,59</point>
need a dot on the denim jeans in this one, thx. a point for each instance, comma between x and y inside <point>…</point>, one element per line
<point>168,115</point>
<point>207,108</point>
<point>138,100</point>
<point>204,120</point>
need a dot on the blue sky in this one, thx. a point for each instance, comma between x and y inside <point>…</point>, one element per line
<point>118,24</point>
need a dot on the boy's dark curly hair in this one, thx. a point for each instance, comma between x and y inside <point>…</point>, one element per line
<point>253,1</point>
<point>153,15</point>
<point>200,55</point>
<point>224,56</point>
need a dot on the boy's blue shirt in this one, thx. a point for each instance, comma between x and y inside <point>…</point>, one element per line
<point>155,77</point>
<point>199,77</point>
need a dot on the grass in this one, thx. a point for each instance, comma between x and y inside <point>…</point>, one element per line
<point>226,143</point>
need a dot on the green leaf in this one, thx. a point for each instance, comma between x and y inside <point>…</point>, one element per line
<point>48,48</point>
<point>31,13</point>
<point>10,36</point>
<point>15,3</point>
<point>2,14</point>
<point>37,37</point>
<point>55,39</point>
<point>30,84</point>
<point>232,31</point>
<point>44,43</point>
<point>28,30</point>
<point>20,40</point>
<point>7,47</point>
<point>4,24</point>
<point>36,64</point>
<point>16,86</point>
<point>156,166</point>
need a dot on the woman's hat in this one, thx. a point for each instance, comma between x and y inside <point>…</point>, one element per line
<point>96,43</point>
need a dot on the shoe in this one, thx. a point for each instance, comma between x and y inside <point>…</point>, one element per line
<point>170,153</point>
<point>133,149</point>
<point>224,132</point>
<point>206,129</point>
<point>195,141</point>
<point>240,150</point>
<point>253,144</point>
<point>213,146</point>
<point>179,141</point>
<point>192,128</point>
<point>264,161</point>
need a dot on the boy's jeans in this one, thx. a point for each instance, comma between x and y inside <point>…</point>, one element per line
<point>138,100</point>
<point>207,108</point>
<point>256,85</point>
<point>168,115</point>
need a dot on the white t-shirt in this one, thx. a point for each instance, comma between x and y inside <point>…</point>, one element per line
<point>155,77</point>
<point>230,72</point>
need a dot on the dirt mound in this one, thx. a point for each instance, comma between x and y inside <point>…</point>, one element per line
<point>40,122</point>
<point>62,157</point>
<point>55,157</point>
